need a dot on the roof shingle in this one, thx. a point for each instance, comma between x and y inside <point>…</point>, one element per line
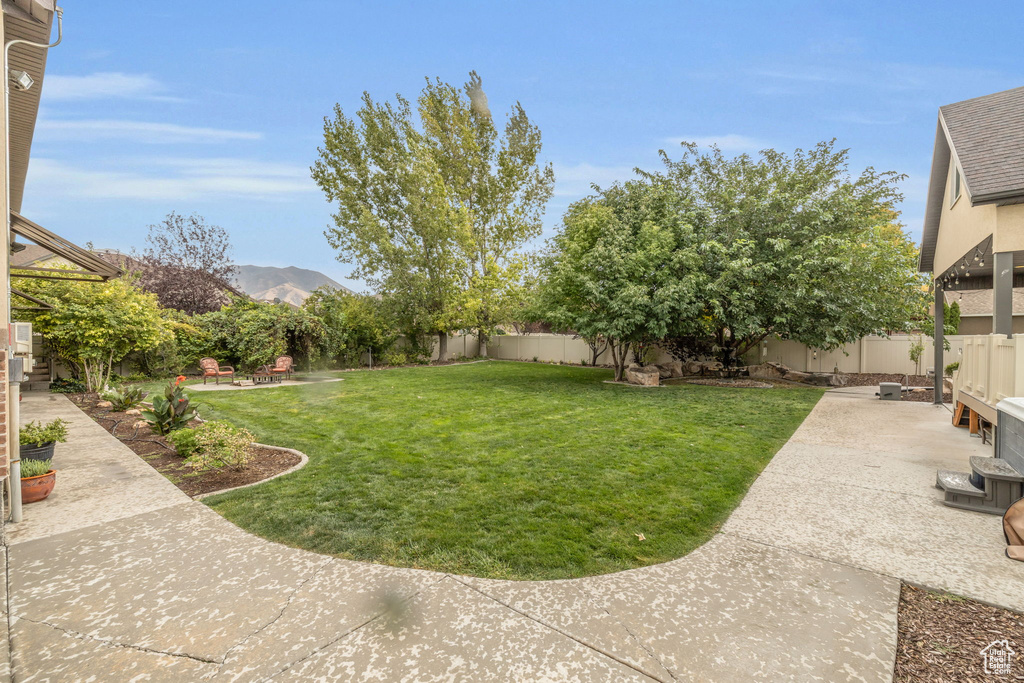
<point>988,137</point>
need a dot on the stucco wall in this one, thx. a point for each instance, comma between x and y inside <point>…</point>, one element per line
<point>982,324</point>
<point>961,226</point>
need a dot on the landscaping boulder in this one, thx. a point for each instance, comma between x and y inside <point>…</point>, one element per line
<point>703,367</point>
<point>797,376</point>
<point>825,379</point>
<point>673,368</point>
<point>647,376</point>
<point>769,370</point>
<point>104,404</point>
<point>773,370</point>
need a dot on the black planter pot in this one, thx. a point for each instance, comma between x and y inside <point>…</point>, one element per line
<point>37,451</point>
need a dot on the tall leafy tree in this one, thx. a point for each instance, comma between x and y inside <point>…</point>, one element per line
<point>186,263</point>
<point>495,178</point>
<point>622,268</point>
<point>794,246</point>
<point>394,220</point>
<point>433,206</point>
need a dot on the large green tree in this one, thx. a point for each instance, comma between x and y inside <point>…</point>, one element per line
<point>394,220</point>
<point>495,179</point>
<point>793,246</point>
<point>434,206</point>
<point>621,269</point>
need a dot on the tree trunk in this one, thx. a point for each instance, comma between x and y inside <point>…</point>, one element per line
<point>442,346</point>
<point>482,339</point>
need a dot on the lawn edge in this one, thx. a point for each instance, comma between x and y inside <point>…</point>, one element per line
<point>304,460</point>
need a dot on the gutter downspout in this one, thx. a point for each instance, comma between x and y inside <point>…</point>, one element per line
<point>14,391</point>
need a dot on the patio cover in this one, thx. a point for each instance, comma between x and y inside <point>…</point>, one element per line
<point>92,267</point>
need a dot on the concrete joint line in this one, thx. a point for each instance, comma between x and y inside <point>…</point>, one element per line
<point>350,631</point>
<point>284,608</point>
<point>810,555</point>
<point>114,643</point>
<point>561,632</point>
<point>845,485</point>
<point>635,636</point>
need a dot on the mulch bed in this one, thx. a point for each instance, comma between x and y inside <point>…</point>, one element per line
<point>867,379</point>
<point>160,454</point>
<point>744,383</point>
<point>941,637</point>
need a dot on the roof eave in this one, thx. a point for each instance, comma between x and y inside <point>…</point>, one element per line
<point>936,192</point>
<point>997,197</point>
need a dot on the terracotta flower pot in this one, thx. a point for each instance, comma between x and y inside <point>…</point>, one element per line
<point>37,488</point>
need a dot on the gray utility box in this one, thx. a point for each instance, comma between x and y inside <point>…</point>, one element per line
<point>890,391</point>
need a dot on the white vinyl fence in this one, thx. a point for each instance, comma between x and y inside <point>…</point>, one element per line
<point>992,368</point>
<point>870,354</point>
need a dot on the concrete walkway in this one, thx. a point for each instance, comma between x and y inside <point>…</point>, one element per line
<point>119,576</point>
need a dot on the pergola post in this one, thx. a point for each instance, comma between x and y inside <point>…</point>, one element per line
<point>1002,294</point>
<point>939,339</point>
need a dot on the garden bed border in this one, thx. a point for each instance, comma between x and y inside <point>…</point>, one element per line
<point>303,460</point>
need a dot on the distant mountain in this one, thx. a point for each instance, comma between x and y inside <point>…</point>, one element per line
<point>291,284</point>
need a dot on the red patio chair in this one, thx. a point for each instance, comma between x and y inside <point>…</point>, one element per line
<point>211,368</point>
<point>283,366</point>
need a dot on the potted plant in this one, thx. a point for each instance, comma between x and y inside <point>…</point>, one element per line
<point>37,480</point>
<point>37,440</point>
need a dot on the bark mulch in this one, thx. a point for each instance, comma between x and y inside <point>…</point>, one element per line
<point>867,379</point>
<point>941,637</point>
<point>160,454</point>
<point>742,383</point>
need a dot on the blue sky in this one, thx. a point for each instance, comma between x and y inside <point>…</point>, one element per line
<point>217,108</point>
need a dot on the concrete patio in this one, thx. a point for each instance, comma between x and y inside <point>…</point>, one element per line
<point>120,576</point>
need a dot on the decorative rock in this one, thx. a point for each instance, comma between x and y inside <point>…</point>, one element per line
<point>104,404</point>
<point>671,368</point>
<point>769,370</point>
<point>825,379</point>
<point>648,376</point>
<point>133,411</point>
<point>773,370</point>
<point>139,424</point>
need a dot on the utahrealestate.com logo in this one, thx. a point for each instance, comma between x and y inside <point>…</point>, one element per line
<point>998,657</point>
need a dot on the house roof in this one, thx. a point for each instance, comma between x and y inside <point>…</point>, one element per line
<point>987,134</point>
<point>978,302</point>
<point>31,255</point>
<point>986,137</point>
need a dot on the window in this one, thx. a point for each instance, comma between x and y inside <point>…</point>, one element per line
<point>955,188</point>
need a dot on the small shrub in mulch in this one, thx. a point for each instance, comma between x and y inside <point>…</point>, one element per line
<point>162,456</point>
<point>941,637</point>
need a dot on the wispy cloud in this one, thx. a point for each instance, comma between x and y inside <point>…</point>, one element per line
<point>89,130</point>
<point>177,179</point>
<point>106,85</point>
<point>863,120</point>
<point>576,181</point>
<point>872,75</point>
<point>731,142</point>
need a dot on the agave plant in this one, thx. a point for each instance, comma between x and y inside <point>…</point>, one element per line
<point>124,398</point>
<point>170,411</point>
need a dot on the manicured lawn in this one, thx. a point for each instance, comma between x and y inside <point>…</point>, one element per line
<point>506,470</point>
